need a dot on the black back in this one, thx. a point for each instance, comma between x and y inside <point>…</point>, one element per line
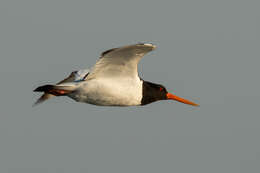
<point>153,92</point>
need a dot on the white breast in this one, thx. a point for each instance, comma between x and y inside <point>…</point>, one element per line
<point>110,92</point>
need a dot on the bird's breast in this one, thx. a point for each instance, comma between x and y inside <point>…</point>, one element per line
<point>110,92</point>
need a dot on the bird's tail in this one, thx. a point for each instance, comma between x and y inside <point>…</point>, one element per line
<point>52,90</point>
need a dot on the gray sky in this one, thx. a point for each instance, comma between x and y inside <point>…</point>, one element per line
<point>208,52</point>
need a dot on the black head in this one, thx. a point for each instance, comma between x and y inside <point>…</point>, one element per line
<point>153,92</point>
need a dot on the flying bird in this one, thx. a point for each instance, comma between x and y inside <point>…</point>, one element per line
<point>112,81</point>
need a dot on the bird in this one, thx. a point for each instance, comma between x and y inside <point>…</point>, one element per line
<point>112,81</point>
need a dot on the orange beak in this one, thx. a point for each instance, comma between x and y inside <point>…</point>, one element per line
<point>179,99</point>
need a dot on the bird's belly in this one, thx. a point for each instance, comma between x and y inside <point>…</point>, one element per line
<point>110,94</point>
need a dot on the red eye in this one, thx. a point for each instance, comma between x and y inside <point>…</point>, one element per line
<point>161,89</point>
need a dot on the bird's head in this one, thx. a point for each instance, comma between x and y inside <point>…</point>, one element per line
<point>154,92</point>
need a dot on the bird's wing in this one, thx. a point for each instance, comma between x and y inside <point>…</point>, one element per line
<point>80,75</point>
<point>76,76</point>
<point>120,62</point>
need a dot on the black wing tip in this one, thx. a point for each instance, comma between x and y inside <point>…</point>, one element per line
<point>37,103</point>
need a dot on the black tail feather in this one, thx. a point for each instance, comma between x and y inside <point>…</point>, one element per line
<point>44,88</point>
<point>54,90</point>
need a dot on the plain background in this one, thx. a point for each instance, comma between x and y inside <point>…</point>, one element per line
<point>208,52</point>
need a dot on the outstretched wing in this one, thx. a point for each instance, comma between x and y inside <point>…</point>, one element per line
<point>120,62</point>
